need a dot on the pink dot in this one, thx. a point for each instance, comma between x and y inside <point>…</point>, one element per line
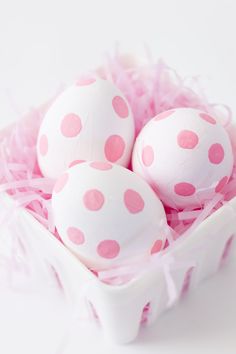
<point>187,139</point>
<point>120,107</point>
<point>207,118</point>
<point>108,249</point>
<point>133,201</point>
<point>43,145</point>
<point>184,189</point>
<point>216,154</point>
<point>61,182</point>
<point>71,125</point>
<point>84,81</point>
<point>114,148</point>
<point>76,162</point>
<point>157,246</point>
<point>164,115</point>
<point>100,165</point>
<point>221,184</point>
<point>75,235</point>
<point>147,155</point>
<point>93,199</point>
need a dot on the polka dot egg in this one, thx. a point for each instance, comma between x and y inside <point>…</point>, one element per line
<point>106,214</point>
<point>185,155</point>
<point>90,120</point>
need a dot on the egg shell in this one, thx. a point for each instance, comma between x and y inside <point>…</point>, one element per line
<point>231,129</point>
<point>107,215</point>
<point>185,155</point>
<point>91,120</point>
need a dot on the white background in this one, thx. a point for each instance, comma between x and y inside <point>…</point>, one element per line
<point>46,43</point>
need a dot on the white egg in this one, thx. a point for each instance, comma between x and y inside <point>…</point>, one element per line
<point>91,120</point>
<point>107,214</point>
<point>185,155</point>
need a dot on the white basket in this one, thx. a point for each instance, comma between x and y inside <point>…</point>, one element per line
<point>120,308</point>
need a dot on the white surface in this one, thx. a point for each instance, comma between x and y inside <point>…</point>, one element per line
<point>45,43</point>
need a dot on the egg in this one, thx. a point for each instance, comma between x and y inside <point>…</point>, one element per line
<point>106,214</point>
<point>185,155</point>
<point>90,120</point>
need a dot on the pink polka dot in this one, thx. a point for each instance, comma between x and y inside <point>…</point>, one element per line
<point>108,249</point>
<point>75,235</point>
<point>157,246</point>
<point>114,148</point>
<point>93,199</point>
<point>216,154</point>
<point>61,182</point>
<point>164,115</point>
<point>76,162</point>
<point>43,145</point>
<point>84,81</point>
<point>71,125</point>
<point>100,165</point>
<point>147,155</point>
<point>120,107</point>
<point>187,139</point>
<point>221,184</point>
<point>133,201</point>
<point>207,118</point>
<point>184,189</point>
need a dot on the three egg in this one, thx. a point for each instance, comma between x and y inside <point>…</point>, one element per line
<point>105,213</point>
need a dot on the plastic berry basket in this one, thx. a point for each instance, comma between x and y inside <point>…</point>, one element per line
<point>28,250</point>
<point>180,267</point>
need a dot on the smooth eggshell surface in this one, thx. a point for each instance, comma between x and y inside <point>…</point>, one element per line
<point>231,129</point>
<point>185,155</point>
<point>91,120</point>
<point>106,214</point>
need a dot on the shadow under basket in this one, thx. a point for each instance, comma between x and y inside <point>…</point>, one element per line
<point>120,310</point>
